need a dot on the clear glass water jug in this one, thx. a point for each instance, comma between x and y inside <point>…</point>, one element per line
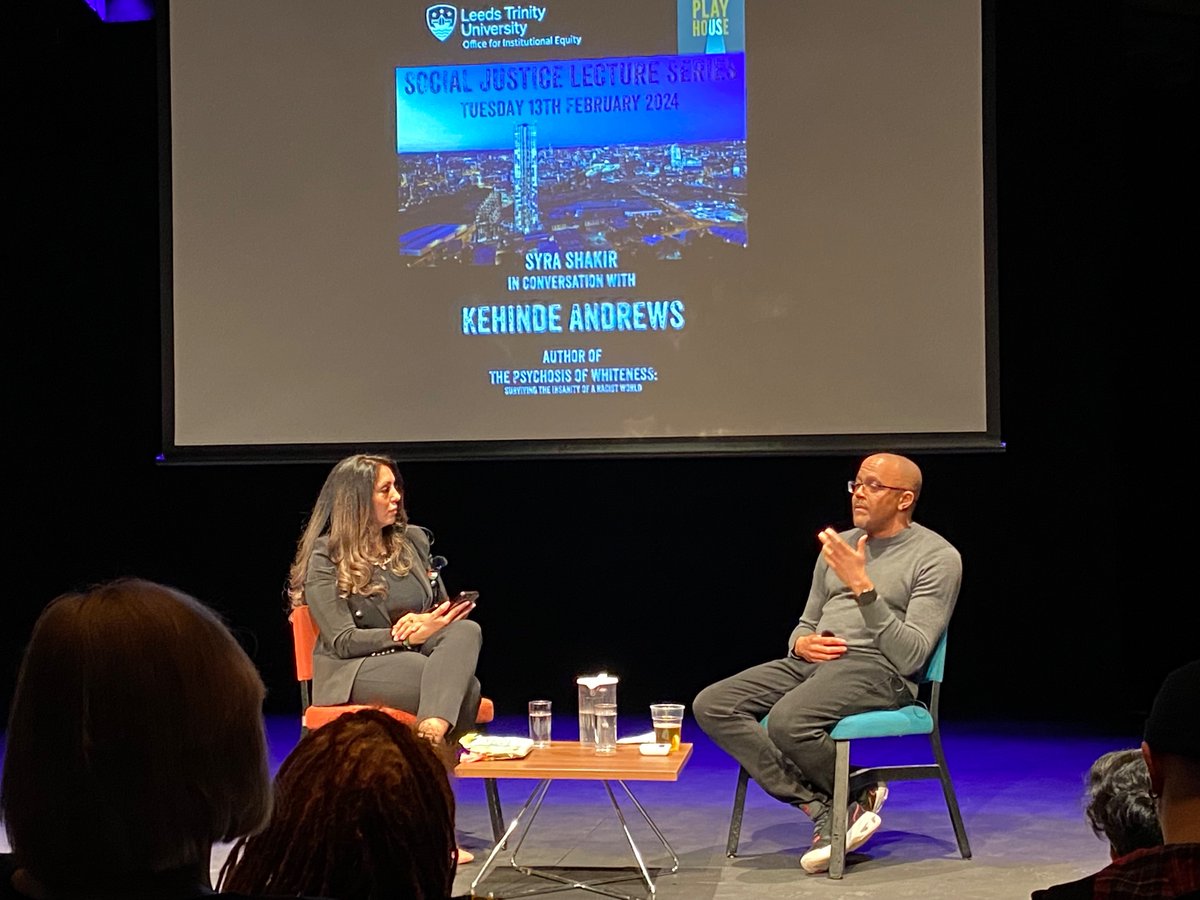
<point>598,711</point>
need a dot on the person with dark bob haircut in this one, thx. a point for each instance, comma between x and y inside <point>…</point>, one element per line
<point>135,742</point>
<point>363,810</point>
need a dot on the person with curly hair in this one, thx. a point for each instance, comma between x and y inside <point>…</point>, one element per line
<point>363,810</point>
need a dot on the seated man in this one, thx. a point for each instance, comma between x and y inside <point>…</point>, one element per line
<point>1171,749</point>
<point>882,594</point>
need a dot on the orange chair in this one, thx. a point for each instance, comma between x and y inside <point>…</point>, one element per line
<point>304,638</point>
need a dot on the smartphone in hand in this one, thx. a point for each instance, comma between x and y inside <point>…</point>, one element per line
<point>462,597</point>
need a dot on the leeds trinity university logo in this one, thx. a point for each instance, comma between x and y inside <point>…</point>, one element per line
<point>441,18</point>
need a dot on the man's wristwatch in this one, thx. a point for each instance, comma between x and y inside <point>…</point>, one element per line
<point>867,596</point>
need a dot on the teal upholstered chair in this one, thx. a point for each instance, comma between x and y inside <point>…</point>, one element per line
<point>915,719</point>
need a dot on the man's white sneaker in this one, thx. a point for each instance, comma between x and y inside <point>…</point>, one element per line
<point>860,825</point>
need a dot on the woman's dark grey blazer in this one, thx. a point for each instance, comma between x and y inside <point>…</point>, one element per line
<point>354,628</point>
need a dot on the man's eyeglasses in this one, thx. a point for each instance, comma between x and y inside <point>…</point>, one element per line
<point>873,487</point>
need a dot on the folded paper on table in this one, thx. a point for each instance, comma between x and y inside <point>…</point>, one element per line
<point>494,746</point>
<point>646,738</point>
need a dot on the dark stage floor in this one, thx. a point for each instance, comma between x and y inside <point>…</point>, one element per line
<point>1019,787</point>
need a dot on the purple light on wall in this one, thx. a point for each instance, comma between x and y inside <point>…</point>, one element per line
<point>123,10</point>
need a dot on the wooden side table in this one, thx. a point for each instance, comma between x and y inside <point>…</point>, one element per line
<point>568,760</point>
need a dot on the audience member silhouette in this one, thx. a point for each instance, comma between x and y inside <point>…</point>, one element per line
<point>135,741</point>
<point>1121,808</point>
<point>363,810</point>
<point>1171,750</point>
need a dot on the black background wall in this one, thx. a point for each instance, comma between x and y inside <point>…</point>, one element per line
<point>1078,593</point>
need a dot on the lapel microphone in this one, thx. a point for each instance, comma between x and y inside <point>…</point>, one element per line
<point>436,564</point>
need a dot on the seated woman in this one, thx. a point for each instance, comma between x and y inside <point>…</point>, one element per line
<point>385,636</point>
<point>135,742</point>
<point>363,809</point>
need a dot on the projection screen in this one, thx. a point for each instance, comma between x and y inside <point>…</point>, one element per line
<point>630,227</point>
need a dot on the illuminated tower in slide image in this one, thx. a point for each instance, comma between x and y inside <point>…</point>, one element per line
<point>525,179</point>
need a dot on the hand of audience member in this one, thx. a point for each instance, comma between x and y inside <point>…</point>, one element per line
<point>420,627</point>
<point>848,563</point>
<point>814,647</point>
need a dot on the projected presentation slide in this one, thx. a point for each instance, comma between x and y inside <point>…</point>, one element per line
<point>415,224</point>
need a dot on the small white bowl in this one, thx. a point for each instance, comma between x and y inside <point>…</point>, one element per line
<point>654,749</point>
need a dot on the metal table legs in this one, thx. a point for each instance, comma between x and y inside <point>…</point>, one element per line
<point>562,883</point>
